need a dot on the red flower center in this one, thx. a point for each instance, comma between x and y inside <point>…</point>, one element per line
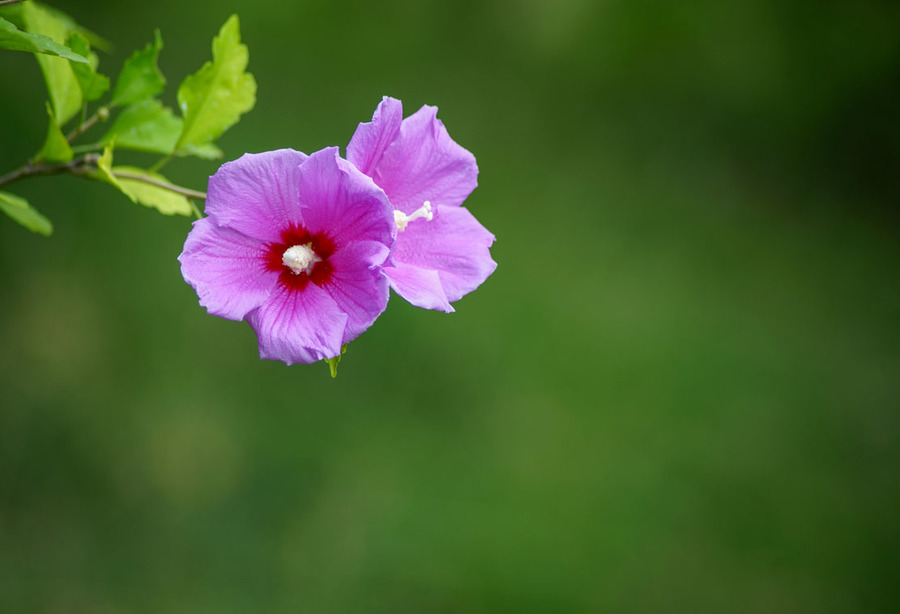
<point>320,272</point>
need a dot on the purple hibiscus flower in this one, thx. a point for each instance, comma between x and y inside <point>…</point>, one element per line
<point>442,252</point>
<point>294,245</point>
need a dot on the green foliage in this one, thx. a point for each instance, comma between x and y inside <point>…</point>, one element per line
<point>19,210</point>
<point>56,148</point>
<point>141,186</point>
<point>145,192</point>
<point>105,172</point>
<point>213,99</point>
<point>140,77</point>
<point>145,126</point>
<point>14,12</point>
<point>151,127</point>
<point>93,85</point>
<point>207,151</point>
<point>14,39</point>
<point>65,93</point>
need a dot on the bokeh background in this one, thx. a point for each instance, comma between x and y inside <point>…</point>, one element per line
<point>678,392</point>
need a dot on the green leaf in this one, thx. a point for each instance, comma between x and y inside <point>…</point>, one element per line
<point>213,99</point>
<point>145,126</point>
<point>56,148</point>
<point>96,41</point>
<point>105,172</point>
<point>334,362</point>
<point>140,77</point>
<point>65,93</point>
<point>15,39</point>
<point>19,210</point>
<point>14,13</point>
<point>161,199</point>
<point>93,85</point>
<point>149,126</point>
<point>137,188</point>
<point>206,152</point>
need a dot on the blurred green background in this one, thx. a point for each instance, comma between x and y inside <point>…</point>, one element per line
<point>678,392</point>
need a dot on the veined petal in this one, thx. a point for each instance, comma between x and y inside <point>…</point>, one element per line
<point>339,200</point>
<point>454,244</point>
<point>360,256</point>
<point>226,268</point>
<point>371,139</point>
<point>257,194</point>
<point>421,287</point>
<point>293,327</point>
<point>357,285</point>
<point>424,163</point>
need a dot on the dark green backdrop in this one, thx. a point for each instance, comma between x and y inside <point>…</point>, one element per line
<point>678,392</point>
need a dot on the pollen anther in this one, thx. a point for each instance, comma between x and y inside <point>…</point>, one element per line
<point>300,258</point>
<point>401,219</point>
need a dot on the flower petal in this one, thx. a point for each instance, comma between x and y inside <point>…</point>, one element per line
<point>421,287</point>
<point>454,244</point>
<point>340,201</point>
<point>257,194</point>
<point>371,139</point>
<point>424,163</point>
<point>357,285</point>
<point>305,326</point>
<point>226,268</point>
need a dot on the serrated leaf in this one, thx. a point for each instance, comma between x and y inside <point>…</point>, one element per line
<point>93,85</point>
<point>19,210</point>
<point>149,126</point>
<point>65,93</point>
<point>140,77</point>
<point>56,148</point>
<point>213,99</point>
<point>14,39</point>
<point>163,200</point>
<point>145,126</point>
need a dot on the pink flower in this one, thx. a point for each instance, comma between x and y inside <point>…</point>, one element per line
<point>294,245</point>
<point>441,253</point>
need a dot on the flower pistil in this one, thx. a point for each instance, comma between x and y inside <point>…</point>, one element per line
<point>401,219</point>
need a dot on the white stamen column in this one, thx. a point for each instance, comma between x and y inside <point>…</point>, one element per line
<point>401,219</point>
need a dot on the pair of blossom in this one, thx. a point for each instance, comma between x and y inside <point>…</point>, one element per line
<point>305,248</point>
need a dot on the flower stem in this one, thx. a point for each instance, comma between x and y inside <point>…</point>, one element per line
<point>5,2</point>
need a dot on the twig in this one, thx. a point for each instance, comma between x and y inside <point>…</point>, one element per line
<point>5,2</point>
<point>102,114</point>
<point>81,166</point>
<point>160,184</point>
<point>74,166</point>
